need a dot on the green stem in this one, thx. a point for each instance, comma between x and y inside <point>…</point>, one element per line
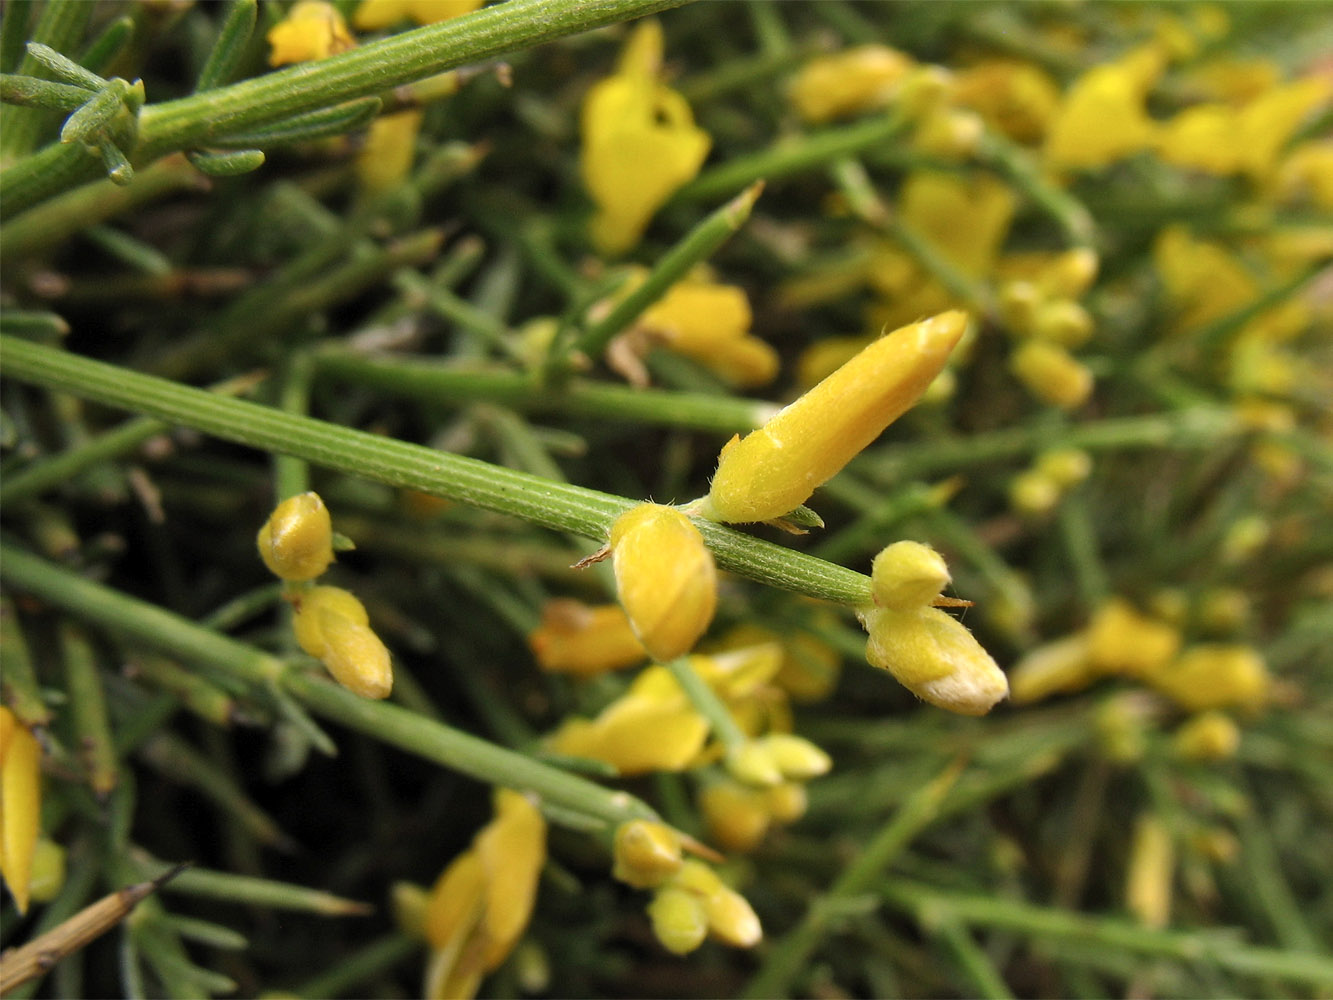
<point>707,703</point>
<point>434,381</point>
<point>788,956</point>
<point>353,972</point>
<point>87,702</point>
<point>22,695</point>
<point>698,245</point>
<point>973,962</point>
<point>397,463</point>
<point>361,72</point>
<point>1019,168</point>
<point>1221,950</point>
<point>794,156</point>
<point>291,475</point>
<point>1081,544</point>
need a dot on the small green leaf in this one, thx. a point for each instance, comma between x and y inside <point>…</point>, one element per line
<point>29,91</point>
<point>118,168</point>
<point>64,68</point>
<point>96,112</point>
<point>228,164</point>
<point>225,58</point>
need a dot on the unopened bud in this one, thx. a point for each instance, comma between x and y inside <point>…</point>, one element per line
<point>796,757</point>
<point>296,542</point>
<point>646,853</point>
<point>679,920</point>
<point>907,575</point>
<point>1051,374</point>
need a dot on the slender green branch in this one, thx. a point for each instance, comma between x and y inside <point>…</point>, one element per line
<point>370,456</point>
<point>439,382</point>
<point>193,121</point>
<point>87,703</point>
<point>160,629</point>
<point>697,245</point>
<point>1222,950</point>
<point>352,972</point>
<point>708,704</point>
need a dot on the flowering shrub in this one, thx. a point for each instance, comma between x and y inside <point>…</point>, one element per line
<point>762,499</point>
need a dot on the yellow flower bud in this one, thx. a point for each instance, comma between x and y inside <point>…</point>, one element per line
<point>732,920</point>
<point>736,816</point>
<point>574,638</point>
<point>20,805</point>
<point>312,29</point>
<point>646,853</point>
<point>1102,117</point>
<point>786,802</point>
<point>752,763</point>
<point>846,83</point>
<point>776,468</point>
<point>332,626</point>
<point>796,757</point>
<point>665,578</point>
<point>907,575</point>
<point>1054,668</point>
<point>386,158</point>
<point>1216,675</point>
<point>679,919</point>
<point>1066,466</point>
<point>374,14</point>
<point>1051,373</point>
<point>296,542</point>
<point>1208,736</point>
<point>1033,493</point>
<point>1152,862</point>
<point>934,657</point>
<point>1122,641</point>
<point>1063,322</point>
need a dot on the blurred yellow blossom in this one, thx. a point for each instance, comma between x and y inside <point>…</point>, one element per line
<point>710,323</point>
<point>1306,174</point>
<point>20,805</point>
<point>1216,675</point>
<point>312,29</point>
<point>1152,865</point>
<point>1102,117</point>
<point>481,903</point>
<point>386,158</point>
<point>1015,98</point>
<point>583,640</point>
<point>1207,736</point>
<point>372,15</point>
<point>1051,373</point>
<point>695,904</point>
<point>1123,641</point>
<point>847,83</point>
<point>640,143</point>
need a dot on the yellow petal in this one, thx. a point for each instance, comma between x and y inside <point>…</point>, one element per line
<point>307,622</point>
<point>665,578</point>
<point>936,658</point>
<point>846,83</point>
<point>355,656</point>
<point>386,158</point>
<point>20,808</point>
<point>907,575</point>
<point>575,638</point>
<point>512,850</point>
<point>312,29</point>
<point>776,468</point>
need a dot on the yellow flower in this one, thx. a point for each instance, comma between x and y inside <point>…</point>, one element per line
<point>776,468</point>
<point>575,638</point>
<point>640,143</point>
<point>809,667</point>
<point>312,29</point>
<point>1056,667</point>
<point>665,578</point>
<point>710,323</point>
<point>296,542</point>
<point>927,651</point>
<point>1051,373</point>
<point>1216,675</point>
<point>483,900</point>
<point>847,83</point>
<point>1122,641</point>
<point>332,626</point>
<point>1306,173</point>
<point>651,727</point>
<point>1016,98</point>
<point>1207,736</point>
<point>695,904</point>
<point>645,853</point>
<point>20,805</point>
<point>1102,117</point>
<point>372,15</point>
<point>386,158</point>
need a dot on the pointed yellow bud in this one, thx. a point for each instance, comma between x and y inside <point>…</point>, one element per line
<point>1065,466</point>
<point>296,542</point>
<point>20,805</point>
<point>752,763</point>
<point>736,816</point>
<point>786,802</point>
<point>907,575</point>
<point>796,757</point>
<point>646,853</point>
<point>936,658</point>
<point>665,578</point>
<point>679,919</point>
<point>1208,736</point>
<point>776,468</point>
<point>1216,675</point>
<point>1051,373</point>
<point>332,626</point>
<point>732,920</point>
